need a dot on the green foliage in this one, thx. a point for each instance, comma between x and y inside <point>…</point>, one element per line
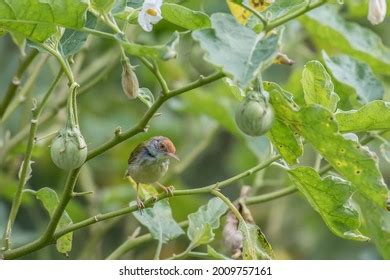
<point>204,221</point>
<point>331,198</point>
<point>184,17</point>
<point>159,221</point>
<point>41,19</point>
<point>252,51</point>
<point>318,87</point>
<point>333,31</point>
<point>49,199</point>
<point>255,245</point>
<point>355,79</point>
<point>372,116</point>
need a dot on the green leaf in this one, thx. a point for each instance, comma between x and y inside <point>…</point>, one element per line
<point>216,255</point>
<point>333,32</point>
<point>247,51</point>
<point>331,198</point>
<point>38,19</point>
<point>372,116</point>
<point>285,141</point>
<point>146,96</point>
<point>318,87</point>
<point>164,52</point>
<point>255,246</point>
<point>203,221</point>
<point>159,221</point>
<point>281,8</point>
<point>355,78</point>
<point>347,157</point>
<point>50,201</point>
<point>376,222</point>
<point>72,40</point>
<point>184,17</point>
<point>102,5</point>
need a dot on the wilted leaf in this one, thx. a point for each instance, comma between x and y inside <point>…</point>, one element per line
<point>255,245</point>
<point>38,20</point>
<point>184,17</point>
<point>50,201</point>
<point>372,116</point>
<point>159,221</point>
<point>355,78</point>
<point>318,87</point>
<point>247,51</point>
<point>331,198</point>
<point>241,14</point>
<point>146,96</point>
<point>334,32</point>
<point>203,221</point>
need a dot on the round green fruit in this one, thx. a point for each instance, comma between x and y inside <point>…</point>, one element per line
<point>68,149</point>
<point>254,116</point>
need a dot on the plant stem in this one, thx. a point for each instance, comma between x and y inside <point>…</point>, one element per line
<point>15,82</point>
<point>182,255</point>
<point>282,20</point>
<point>158,250</point>
<point>36,112</point>
<point>255,13</point>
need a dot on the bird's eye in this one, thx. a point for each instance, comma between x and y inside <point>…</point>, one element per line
<point>163,147</point>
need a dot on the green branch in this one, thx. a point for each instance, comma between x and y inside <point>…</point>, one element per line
<point>24,173</point>
<point>15,82</point>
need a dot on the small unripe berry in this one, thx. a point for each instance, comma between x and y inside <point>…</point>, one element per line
<point>254,116</point>
<point>68,149</point>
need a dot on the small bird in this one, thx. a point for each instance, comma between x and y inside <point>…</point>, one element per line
<point>149,162</point>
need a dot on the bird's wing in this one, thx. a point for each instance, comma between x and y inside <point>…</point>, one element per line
<point>136,151</point>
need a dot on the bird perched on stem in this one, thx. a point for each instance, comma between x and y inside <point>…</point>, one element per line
<point>149,162</point>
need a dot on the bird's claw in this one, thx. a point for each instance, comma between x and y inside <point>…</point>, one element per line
<point>140,204</point>
<point>169,190</point>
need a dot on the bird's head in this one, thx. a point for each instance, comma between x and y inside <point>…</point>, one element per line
<point>162,147</point>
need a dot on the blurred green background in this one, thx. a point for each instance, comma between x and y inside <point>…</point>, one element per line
<point>200,123</point>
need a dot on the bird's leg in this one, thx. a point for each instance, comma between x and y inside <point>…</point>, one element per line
<point>140,204</point>
<point>168,190</point>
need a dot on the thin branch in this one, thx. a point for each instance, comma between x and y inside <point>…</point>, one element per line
<point>15,82</point>
<point>36,112</point>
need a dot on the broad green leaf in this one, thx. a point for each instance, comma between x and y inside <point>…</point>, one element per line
<point>356,78</point>
<point>102,5</point>
<point>203,221</point>
<point>331,198</point>
<point>247,51</point>
<point>50,201</point>
<point>72,40</point>
<point>255,246</point>
<point>376,222</point>
<point>372,116</point>
<point>159,221</point>
<point>184,17</point>
<point>347,157</point>
<point>146,96</point>
<point>334,32</point>
<point>234,89</point>
<point>164,52</point>
<point>215,255</point>
<point>285,141</point>
<point>38,19</point>
<point>282,7</point>
<point>318,87</point>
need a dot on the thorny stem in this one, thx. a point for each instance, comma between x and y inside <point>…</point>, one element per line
<point>36,112</point>
<point>15,82</point>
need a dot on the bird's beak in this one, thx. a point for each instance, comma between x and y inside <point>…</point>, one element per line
<point>173,156</point>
